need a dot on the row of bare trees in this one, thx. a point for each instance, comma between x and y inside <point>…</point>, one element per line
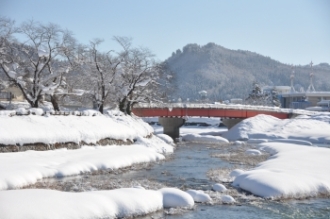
<point>47,63</point>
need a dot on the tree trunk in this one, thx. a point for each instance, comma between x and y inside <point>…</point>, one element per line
<point>53,100</point>
<point>128,108</point>
<point>34,104</point>
<point>100,106</point>
<point>122,105</point>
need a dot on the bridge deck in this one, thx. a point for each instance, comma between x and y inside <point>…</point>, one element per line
<point>203,110</point>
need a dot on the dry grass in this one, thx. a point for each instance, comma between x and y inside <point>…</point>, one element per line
<point>242,158</point>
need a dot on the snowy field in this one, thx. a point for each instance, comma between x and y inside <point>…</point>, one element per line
<point>296,169</point>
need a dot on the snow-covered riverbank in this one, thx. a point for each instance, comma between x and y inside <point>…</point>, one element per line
<point>294,170</point>
<point>24,168</point>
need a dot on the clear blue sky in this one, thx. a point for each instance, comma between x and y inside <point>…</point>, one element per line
<point>290,31</point>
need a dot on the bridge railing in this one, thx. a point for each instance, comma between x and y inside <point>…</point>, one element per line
<point>171,106</point>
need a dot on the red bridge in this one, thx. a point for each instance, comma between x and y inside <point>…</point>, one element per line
<point>208,110</point>
<point>172,116</point>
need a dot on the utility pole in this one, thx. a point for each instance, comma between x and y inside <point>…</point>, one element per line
<point>292,78</point>
<point>311,75</point>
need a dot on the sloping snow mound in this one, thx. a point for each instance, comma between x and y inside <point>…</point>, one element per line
<point>39,203</point>
<point>156,144</point>
<point>138,187</point>
<point>173,198</point>
<point>256,141</point>
<point>294,171</point>
<point>165,138</point>
<point>91,112</point>
<point>227,199</point>
<point>56,129</point>
<point>115,113</point>
<point>21,169</point>
<point>204,138</point>
<point>136,123</point>
<point>7,112</point>
<point>293,141</point>
<point>242,130</point>
<point>236,173</point>
<point>253,152</point>
<point>239,143</point>
<point>22,111</point>
<point>199,195</point>
<point>37,111</point>
<point>269,127</point>
<point>219,187</point>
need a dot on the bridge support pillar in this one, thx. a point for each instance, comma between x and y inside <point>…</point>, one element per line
<point>229,123</point>
<point>171,126</point>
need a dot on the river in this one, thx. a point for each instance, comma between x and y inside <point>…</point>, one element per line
<point>186,169</point>
<point>195,166</point>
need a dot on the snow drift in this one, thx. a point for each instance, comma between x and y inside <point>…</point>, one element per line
<point>293,171</point>
<point>314,129</point>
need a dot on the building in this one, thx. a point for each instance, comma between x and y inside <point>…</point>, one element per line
<point>11,93</point>
<point>302,100</point>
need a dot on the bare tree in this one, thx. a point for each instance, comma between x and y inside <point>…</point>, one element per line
<point>31,66</point>
<point>138,75</point>
<point>68,62</point>
<point>7,30</point>
<point>102,68</point>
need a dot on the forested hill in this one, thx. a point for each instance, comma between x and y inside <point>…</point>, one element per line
<point>227,74</point>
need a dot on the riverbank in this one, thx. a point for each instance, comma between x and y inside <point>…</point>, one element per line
<point>21,169</point>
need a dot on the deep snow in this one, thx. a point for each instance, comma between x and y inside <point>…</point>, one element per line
<point>294,170</point>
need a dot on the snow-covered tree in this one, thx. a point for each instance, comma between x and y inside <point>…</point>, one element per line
<point>7,30</point>
<point>256,97</point>
<point>103,68</point>
<point>138,76</point>
<point>31,66</point>
<point>272,99</point>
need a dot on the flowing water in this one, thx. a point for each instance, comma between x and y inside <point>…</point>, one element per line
<point>187,169</point>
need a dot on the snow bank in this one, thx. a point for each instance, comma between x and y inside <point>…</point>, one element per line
<point>204,138</point>
<point>156,144</point>
<point>227,199</point>
<point>219,187</point>
<point>173,198</point>
<point>165,138</point>
<point>57,129</point>
<point>293,141</point>
<point>315,128</point>
<point>294,171</point>
<point>199,195</point>
<point>39,203</point>
<point>253,152</point>
<point>236,172</point>
<point>256,141</point>
<point>24,168</point>
<point>37,111</point>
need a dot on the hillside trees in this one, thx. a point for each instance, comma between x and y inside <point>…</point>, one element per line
<point>166,80</point>
<point>227,74</point>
